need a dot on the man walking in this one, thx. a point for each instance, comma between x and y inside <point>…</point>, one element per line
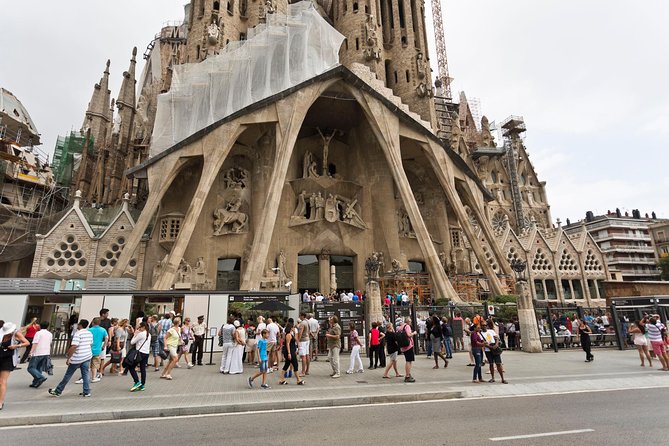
<point>313,336</point>
<point>333,336</point>
<point>199,330</point>
<point>100,339</point>
<point>303,346</point>
<point>78,357</point>
<point>39,354</point>
<point>273,331</point>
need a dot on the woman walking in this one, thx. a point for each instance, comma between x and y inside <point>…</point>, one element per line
<point>638,331</point>
<point>29,332</point>
<point>289,351</point>
<point>477,343</point>
<point>355,344</point>
<point>226,339</point>
<point>172,339</point>
<point>656,333</point>
<point>436,339</point>
<point>493,351</point>
<point>239,338</point>
<point>375,337</point>
<point>11,341</point>
<point>186,340</point>
<point>142,342</point>
<point>585,332</point>
<point>391,345</point>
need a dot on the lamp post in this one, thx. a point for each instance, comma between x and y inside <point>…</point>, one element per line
<point>529,331</point>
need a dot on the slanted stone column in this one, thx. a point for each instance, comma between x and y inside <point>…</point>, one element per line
<point>527,318</point>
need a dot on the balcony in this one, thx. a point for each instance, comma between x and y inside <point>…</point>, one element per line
<point>642,249</point>
<point>630,261</point>
<point>614,236</point>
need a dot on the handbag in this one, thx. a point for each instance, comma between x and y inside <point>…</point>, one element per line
<point>115,357</point>
<point>132,358</point>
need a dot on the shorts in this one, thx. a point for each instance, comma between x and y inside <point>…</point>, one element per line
<point>172,351</point>
<point>658,347</point>
<point>7,363</point>
<point>409,355</point>
<point>155,348</point>
<point>393,356</point>
<point>263,366</point>
<point>493,359</point>
<point>95,362</point>
<point>271,346</point>
<point>303,348</point>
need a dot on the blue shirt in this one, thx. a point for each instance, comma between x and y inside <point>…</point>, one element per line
<point>262,349</point>
<point>99,335</point>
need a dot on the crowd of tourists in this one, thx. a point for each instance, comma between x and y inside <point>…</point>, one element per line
<point>287,347</point>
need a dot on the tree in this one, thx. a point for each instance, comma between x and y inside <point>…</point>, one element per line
<point>663,265</point>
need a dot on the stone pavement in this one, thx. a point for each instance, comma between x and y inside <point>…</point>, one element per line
<point>204,390</point>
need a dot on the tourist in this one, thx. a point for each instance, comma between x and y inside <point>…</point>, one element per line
<point>39,354</point>
<point>354,344</point>
<point>263,358</point>
<point>638,330</point>
<point>259,328</point>
<point>226,339</point>
<point>139,319</point>
<point>11,340</point>
<point>239,341</point>
<point>493,351</point>
<point>78,358</point>
<point>171,342</point>
<point>142,342</point>
<point>374,346</point>
<point>382,344</point>
<point>436,340</point>
<point>467,340</point>
<point>585,332</point>
<point>29,332</point>
<point>251,343</point>
<point>447,337</point>
<point>156,349</point>
<point>290,354</point>
<point>273,335</point>
<point>477,343</point>
<point>186,340</point>
<point>303,337</point>
<point>199,333</point>
<point>409,356</point>
<point>165,324</point>
<point>655,330</point>
<point>122,334</point>
<point>501,331</point>
<point>422,334</point>
<point>111,334</point>
<point>314,327</point>
<point>105,323</point>
<point>458,327</point>
<point>393,349</point>
<point>333,336</point>
<point>100,340</point>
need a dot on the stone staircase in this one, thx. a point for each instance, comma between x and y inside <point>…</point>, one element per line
<point>367,76</point>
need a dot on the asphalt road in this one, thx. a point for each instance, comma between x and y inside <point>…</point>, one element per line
<point>599,418</point>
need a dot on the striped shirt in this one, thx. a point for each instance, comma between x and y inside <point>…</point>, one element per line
<point>165,325</point>
<point>83,340</point>
<point>653,331</point>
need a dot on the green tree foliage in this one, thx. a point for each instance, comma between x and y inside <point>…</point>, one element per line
<point>663,264</point>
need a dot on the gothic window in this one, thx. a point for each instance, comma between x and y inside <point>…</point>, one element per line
<point>407,75</point>
<point>355,6</point>
<point>110,257</point>
<point>499,221</point>
<point>512,254</point>
<point>357,43</point>
<point>231,6</point>
<point>493,176</point>
<point>217,6</point>
<point>541,262</point>
<point>67,254</point>
<point>400,8</point>
<point>471,217</point>
<point>455,238</point>
<point>592,263</point>
<point>243,8</point>
<point>567,263</point>
<point>170,226</point>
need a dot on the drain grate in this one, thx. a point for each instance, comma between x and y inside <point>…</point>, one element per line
<point>362,382</point>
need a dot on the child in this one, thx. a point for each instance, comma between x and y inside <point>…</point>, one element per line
<point>262,357</point>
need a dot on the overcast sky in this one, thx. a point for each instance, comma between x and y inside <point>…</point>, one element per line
<point>589,77</point>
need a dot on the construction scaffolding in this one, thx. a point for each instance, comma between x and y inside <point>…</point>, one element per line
<point>416,285</point>
<point>67,156</point>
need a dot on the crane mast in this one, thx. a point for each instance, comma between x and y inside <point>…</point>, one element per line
<point>442,61</point>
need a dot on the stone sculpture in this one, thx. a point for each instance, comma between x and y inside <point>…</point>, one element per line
<point>184,272</point>
<point>309,166</point>
<point>420,65</point>
<point>396,265</point>
<point>236,178</point>
<point>301,208</point>
<point>230,220</point>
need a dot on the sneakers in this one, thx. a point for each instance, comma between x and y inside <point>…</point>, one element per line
<point>190,365</point>
<point>349,372</point>
<point>96,380</point>
<point>40,382</point>
<point>136,386</point>
<point>79,381</point>
<point>409,379</point>
<point>336,375</point>
<point>250,382</point>
<point>265,386</point>
<point>54,392</point>
<point>85,395</point>
<point>361,371</point>
<point>99,377</point>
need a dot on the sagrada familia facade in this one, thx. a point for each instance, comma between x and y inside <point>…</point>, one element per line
<point>268,142</point>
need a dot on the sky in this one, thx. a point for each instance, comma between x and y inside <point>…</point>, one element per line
<point>589,78</point>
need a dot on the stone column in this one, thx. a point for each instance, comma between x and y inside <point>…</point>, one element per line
<point>324,274</point>
<point>529,330</point>
<point>373,304</point>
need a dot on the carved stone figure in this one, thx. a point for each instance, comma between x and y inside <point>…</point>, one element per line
<point>370,30</point>
<point>396,265</point>
<point>351,216</point>
<point>213,34</point>
<point>333,279</point>
<point>309,166</point>
<point>200,271</point>
<point>331,213</point>
<point>326,149</point>
<point>142,121</point>
<point>158,269</point>
<point>456,131</point>
<point>282,264</point>
<point>319,202</point>
<point>312,206</point>
<point>270,8</point>
<point>372,267</point>
<point>421,90</point>
<point>230,220</point>
<point>405,229</point>
<point>486,135</point>
<point>420,65</point>
<point>379,256</point>
<point>184,272</point>
<point>301,208</point>
<point>443,260</point>
<point>236,178</point>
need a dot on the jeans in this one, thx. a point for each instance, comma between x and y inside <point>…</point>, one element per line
<point>35,367</point>
<point>142,368</point>
<point>355,359</point>
<point>429,348</point>
<point>333,356</point>
<point>85,374</point>
<point>448,342</point>
<point>478,358</point>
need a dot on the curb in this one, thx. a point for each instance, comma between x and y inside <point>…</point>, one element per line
<point>225,408</point>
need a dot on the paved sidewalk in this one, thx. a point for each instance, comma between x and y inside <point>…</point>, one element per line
<point>204,390</point>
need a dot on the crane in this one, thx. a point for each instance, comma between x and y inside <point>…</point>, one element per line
<point>444,80</point>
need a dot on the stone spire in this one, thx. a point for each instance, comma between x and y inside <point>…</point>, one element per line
<point>97,115</point>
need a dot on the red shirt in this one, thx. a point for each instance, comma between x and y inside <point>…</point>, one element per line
<point>374,338</point>
<point>31,330</point>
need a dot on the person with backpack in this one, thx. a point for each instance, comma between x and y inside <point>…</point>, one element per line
<point>405,341</point>
<point>436,339</point>
<point>447,337</point>
<point>154,332</point>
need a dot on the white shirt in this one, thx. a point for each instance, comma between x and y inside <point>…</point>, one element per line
<point>138,341</point>
<point>319,298</point>
<point>422,325</point>
<point>43,340</point>
<point>305,297</point>
<point>313,325</point>
<point>83,340</point>
<point>489,336</point>
<point>273,330</point>
<point>261,326</point>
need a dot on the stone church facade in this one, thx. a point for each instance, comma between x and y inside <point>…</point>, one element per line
<point>324,173</point>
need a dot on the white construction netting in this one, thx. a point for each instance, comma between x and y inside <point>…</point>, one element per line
<point>285,51</point>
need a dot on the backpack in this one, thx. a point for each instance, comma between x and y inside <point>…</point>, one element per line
<point>154,331</point>
<point>402,338</point>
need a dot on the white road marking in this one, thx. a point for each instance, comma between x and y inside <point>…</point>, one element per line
<point>299,409</point>
<point>543,434</point>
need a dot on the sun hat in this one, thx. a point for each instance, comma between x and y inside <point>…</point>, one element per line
<point>7,328</point>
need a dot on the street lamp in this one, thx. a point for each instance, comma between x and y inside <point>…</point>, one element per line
<point>519,267</point>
